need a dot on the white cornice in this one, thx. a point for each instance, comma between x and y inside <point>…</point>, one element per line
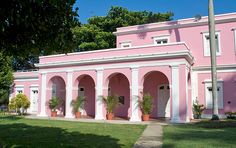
<point>119,66</point>
<point>115,49</point>
<point>162,55</point>
<point>219,67</point>
<point>170,25</point>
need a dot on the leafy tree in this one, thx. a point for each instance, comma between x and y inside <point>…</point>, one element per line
<point>30,28</point>
<point>6,77</point>
<point>97,34</point>
<point>19,103</point>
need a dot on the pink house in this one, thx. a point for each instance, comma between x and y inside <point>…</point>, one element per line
<point>169,60</point>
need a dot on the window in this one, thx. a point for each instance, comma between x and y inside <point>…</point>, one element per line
<point>161,40</point>
<point>208,94</point>
<point>125,44</point>
<point>19,90</point>
<point>122,100</point>
<point>206,42</point>
<point>109,91</point>
<point>54,90</point>
<point>81,91</point>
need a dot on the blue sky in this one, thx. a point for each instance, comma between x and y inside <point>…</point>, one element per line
<point>180,8</point>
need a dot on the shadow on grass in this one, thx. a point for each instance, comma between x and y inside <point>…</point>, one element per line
<point>201,134</point>
<point>23,135</point>
<point>10,117</point>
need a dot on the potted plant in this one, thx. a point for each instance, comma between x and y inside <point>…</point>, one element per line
<point>53,104</point>
<point>146,106</point>
<point>197,110</point>
<point>111,102</point>
<point>78,105</point>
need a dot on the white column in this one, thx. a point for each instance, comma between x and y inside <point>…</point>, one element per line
<point>99,93</point>
<point>194,83</point>
<point>187,91</point>
<point>69,92</point>
<point>175,94</point>
<point>43,95</point>
<point>134,94</point>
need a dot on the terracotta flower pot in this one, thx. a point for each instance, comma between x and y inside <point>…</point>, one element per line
<point>77,114</point>
<point>145,117</point>
<point>53,113</point>
<point>109,116</point>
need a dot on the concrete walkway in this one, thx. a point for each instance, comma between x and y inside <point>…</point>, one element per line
<point>151,137</point>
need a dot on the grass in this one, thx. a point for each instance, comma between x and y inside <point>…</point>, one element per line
<point>21,132</point>
<point>205,134</point>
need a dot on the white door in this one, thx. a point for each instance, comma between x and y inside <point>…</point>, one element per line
<point>163,101</point>
<point>34,100</point>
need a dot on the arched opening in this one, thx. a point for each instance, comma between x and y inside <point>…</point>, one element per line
<point>157,85</point>
<point>86,87</point>
<point>57,88</point>
<point>119,85</point>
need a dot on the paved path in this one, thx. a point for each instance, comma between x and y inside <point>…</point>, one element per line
<point>151,137</point>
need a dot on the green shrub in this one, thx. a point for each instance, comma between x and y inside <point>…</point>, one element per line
<point>146,104</point>
<point>230,115</point>
<point>53,103</point>
<point>20,103</point>
<point>198,109</point>
<point>111,102</point>
<point>78,104</point>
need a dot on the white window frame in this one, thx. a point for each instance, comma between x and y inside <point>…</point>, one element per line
<point>208,94</point>
<point>207,49</point>
<point>234,30</point>
<point>124,44</point>
<point>162,37</point>
<point>19,88</point>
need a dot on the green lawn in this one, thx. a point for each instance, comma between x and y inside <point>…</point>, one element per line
<point>200,135</point>
<point>21,132</point>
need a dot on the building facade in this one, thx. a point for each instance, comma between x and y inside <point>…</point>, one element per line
<point>169,60</point>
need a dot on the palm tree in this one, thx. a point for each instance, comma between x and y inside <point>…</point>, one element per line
<point>211,20</point>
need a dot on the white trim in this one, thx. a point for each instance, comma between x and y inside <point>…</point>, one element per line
<point>134,93</point>
<point>205,42</point>
<point>118,66</point>
<point>17,86</point>
<point>22,80</point>
<point>209,80</point>
<point>184,53</point>
<point>220,68</point>
<point>114,49</point>
<point>175,95</point>
<point>99,95</point>
<point>43,96</point>
<point>34,85</point>
<point>69,93</point>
